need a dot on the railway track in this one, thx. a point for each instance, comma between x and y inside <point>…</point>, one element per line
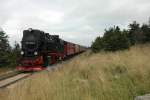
<point>8,74</point>
<point>14,76</point>
<point>11,78</point>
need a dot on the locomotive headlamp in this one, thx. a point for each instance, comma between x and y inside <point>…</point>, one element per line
<point>22,53</point>
<point>35,53</point>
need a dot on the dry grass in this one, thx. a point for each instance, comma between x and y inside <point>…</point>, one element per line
<point>3,70</point>
<point>104,76</point>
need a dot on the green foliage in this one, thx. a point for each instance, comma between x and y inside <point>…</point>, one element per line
<point>97,45</point>
<point>146,33</point>
<point>114,39</point>
<point>139,34</point>
<point>8,55</point>
<point>4,49</point>
<point>14,55</point>
<point>134,29</point>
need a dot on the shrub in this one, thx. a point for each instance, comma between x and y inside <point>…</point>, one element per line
<point>97,45</point>
<point>113,40</point>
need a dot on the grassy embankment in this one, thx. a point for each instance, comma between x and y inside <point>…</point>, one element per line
<point>3,70</point>
<point>104,76</point>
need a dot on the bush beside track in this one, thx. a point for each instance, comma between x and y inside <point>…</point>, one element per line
<point>8,74</point>
<point>115,39</point>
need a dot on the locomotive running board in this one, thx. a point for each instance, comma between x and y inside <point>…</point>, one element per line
<point>30,68</point>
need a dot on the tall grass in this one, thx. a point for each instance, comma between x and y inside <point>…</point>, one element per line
<point>4,70</point>
<point>104,76</point>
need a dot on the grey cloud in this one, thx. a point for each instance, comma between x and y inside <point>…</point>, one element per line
<point>78,21</point>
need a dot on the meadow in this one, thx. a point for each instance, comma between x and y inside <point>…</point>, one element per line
<point>118,75</point>
<point>4,70</point>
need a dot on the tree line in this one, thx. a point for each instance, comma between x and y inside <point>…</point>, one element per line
<point>8,54</point>
<point>116,39</point>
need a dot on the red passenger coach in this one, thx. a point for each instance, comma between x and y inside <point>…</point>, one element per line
<point>70,49</point>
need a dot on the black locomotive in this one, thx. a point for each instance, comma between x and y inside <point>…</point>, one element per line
<point>39,49</point>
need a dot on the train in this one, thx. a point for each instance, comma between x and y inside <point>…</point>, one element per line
<point>40,49</point>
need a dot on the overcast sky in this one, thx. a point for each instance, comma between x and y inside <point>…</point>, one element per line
<point>78,21</point>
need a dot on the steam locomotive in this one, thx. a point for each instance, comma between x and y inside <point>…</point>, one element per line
<point>39,50</point>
